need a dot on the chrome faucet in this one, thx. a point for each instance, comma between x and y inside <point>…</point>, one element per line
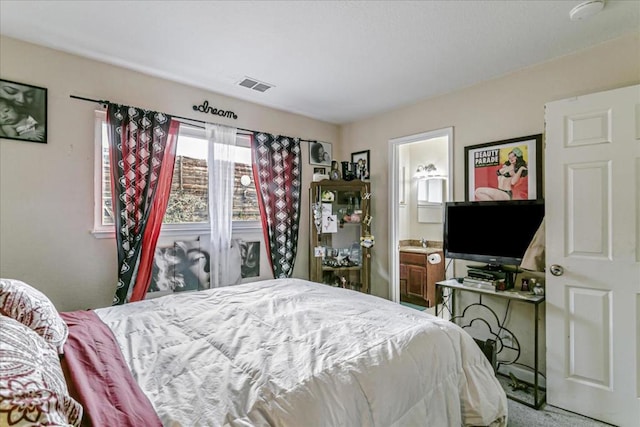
<point>423,241</point>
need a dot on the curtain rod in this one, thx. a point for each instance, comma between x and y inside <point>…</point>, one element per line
<point>105,102</point>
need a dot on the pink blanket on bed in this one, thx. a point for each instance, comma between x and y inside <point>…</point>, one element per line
<point>99,376</point>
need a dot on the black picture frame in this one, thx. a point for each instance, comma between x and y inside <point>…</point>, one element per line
<point>362,155</point>
<point>320,153</point>
<point>26,106</point>
<point>489,175</point>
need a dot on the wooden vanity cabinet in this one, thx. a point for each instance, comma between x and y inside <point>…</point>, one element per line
<point>418,278</point>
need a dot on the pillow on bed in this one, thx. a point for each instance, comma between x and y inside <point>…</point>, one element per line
<point>31,307</point>
<point>33,390</point>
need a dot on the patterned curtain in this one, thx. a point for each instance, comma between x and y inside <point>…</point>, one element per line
<point>142,150</point>
<point>276,171</point>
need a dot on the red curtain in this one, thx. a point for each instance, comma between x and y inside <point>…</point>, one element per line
<point>142,147</point>
<point>276,172</point>
<point>154,224</point>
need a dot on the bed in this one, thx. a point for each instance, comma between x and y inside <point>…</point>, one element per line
<point>284,352</point>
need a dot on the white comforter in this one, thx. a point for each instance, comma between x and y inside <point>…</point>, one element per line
<point>290,352</point>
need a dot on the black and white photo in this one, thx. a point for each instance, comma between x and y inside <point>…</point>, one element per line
<point>23,112</point>
<point>184,266</point>
<point>250,259</point>
<point>320,153</point>
<point>361,160</point>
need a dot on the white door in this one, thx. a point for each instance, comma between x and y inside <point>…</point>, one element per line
<point>592,163</point>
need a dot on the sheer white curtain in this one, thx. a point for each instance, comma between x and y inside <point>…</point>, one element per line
<point>221,165</point>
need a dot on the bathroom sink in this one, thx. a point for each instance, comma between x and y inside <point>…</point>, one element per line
<point>418,246</point>
<point>419,249</point>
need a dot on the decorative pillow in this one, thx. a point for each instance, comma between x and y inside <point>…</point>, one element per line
<point>31,307</point>
<point>33,390</point>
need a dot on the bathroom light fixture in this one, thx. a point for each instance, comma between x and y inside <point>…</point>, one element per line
<point>424,171</point>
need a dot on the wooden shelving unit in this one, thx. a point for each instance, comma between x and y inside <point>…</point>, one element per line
<point>338,258</point>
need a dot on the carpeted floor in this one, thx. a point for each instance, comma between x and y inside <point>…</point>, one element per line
<point>548,416</point>
<point>416,307</point>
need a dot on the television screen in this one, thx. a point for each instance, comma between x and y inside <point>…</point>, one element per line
<point>491,232</point>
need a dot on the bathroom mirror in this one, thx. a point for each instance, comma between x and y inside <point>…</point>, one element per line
<point>430,200</point>
<point>430,191</point>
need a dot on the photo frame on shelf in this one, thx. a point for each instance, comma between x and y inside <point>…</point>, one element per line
<point>320,153</point>
<point>362,159</point>
<point>320,174</point>
<point>25,112</point>
<point>328,196</point>
<point>510,169</point>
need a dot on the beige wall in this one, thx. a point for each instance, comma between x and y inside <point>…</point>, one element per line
<point>46,190</point>
<point>507,107</point>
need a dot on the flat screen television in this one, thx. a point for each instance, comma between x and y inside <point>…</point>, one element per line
<point>496,233</point>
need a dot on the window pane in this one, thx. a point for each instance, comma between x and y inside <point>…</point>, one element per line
<point>188,201</point>
<point>245,201</point>
<point>107,206</point>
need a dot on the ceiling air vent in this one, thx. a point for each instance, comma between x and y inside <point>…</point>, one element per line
<point>254,84</point>
<point>261,87</point>
<point>248,83</point>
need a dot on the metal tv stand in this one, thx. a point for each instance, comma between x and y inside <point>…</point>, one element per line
<point>481,288</point>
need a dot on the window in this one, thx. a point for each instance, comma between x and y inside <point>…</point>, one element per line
<point>187,209</point>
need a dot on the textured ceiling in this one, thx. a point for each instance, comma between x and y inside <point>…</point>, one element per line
<point>336,61</point>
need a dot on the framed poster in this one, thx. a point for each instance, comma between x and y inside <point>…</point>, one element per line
<point>23,112</point>
<point>320,153</point>
<point>504,170</point>
<point>184,266</point>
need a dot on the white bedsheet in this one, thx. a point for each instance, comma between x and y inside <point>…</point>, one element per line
<point>290,352</point>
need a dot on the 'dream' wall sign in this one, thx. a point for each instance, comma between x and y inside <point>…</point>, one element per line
<point>205,108</point>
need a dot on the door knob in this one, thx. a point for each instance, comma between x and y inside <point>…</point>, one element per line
<point>556,270</point>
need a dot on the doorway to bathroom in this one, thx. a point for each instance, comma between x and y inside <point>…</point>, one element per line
<point>420,182</point>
